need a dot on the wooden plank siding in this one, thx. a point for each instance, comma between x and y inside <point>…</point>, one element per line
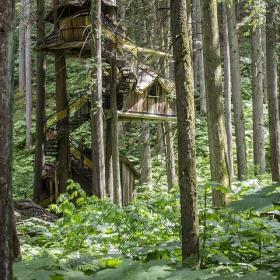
<point>159,105</point>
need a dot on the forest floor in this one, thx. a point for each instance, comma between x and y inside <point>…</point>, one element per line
<point>98,240</point>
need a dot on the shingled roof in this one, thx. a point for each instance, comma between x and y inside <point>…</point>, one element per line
<point>146,77</point>
<point>66,7</point>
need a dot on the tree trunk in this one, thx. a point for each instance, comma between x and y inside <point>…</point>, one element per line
<point>145,154</point>
<point>115,136</point>
<point>28,78</point>
<point>108,161</point>
<point>169,154</point>
<point>62,125</point>
<point>236,94</point>
<point>257,91</point>
<point>227,86</point>
<point>7,232</point>
<point>272,91</point>
<point>160,137</point>
<point>22,29</point>
<point>180,13</point>
<point>264,65</point>
<point>40,102</point>
<point>215,102</point>
<point>98,169</point>
<point>198,56</point>
<point>165,129</point>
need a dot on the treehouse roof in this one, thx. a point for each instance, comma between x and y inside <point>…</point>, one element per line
<point>70,7</point>
<point>146,77</point>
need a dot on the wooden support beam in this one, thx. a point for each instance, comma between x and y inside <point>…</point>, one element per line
<point>133,116</point>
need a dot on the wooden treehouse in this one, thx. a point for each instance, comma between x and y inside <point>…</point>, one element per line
<point>142,94</point>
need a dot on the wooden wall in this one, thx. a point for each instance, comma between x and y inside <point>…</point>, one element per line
<point>144,103</point>
<point>128,183</point>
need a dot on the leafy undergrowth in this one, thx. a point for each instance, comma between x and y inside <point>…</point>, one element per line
<point>98,240</point>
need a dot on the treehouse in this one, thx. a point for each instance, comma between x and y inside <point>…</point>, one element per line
<point>141,94</point>
<point>152,99</point>
<point>73,28</point>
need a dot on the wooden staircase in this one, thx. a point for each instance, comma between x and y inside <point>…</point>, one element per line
<point>128,80</point>
<point>78,113</point>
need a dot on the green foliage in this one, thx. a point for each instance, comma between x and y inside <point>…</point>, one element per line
<point>95,239</point>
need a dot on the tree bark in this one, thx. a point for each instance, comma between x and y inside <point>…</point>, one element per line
<point>169,154</point>
<point>215,102</point>
<point>108,161</point>
<point>145,154</point>
<point>228,93</point>
<point>236,94</point>
<point>115,136</point>
<point>28,78</point>
<point>264,64</point>
<point>40,101</point>
<point>22,29</point>
<point>7,226</point>
<point>272,90</point>
<point>98,169</point>
<point>258,100</point>
<point>180,14</point>
<point>198,56</point>
<point>62,125</point>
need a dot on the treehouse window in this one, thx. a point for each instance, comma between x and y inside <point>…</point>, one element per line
<point>153,91</point>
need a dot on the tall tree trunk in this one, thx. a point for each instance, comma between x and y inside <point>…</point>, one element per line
<point>169,154</point>
<point>257,91</point>
<point>227,86</point>
<point>145,154</point>
<point>115,136</point>
<point>98,169</point>
<point>160,136</point>
<point>28,77</point>
<point>7,13</point>
<point>166,140</point>
<point>215,102</point>
<point>272,90</point>
<point>264,64</point>
<point>61,104</point>
<point>40,101</point>
<point>108,160</point>
<point>22,29</point>
<point>236,94</point>
<point>198,56</point>
<point>62,125</point>
<point>180,14</point>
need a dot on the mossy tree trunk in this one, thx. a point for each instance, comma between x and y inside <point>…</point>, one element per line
<point>215,102</point>
<point>228,92</point>
<point>180,26</point>
<point>61,105</point>
<point>258,100</point>
<point>40,102</point>
<point>272,90</point>
<point>236,94</point>
<point>98,169</point>
<point>7,224</point>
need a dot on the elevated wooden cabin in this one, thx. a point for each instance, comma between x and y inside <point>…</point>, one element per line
<point>73,27</point>
<point>152,99</point>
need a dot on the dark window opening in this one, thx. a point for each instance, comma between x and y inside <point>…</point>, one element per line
<point>153,91</point>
